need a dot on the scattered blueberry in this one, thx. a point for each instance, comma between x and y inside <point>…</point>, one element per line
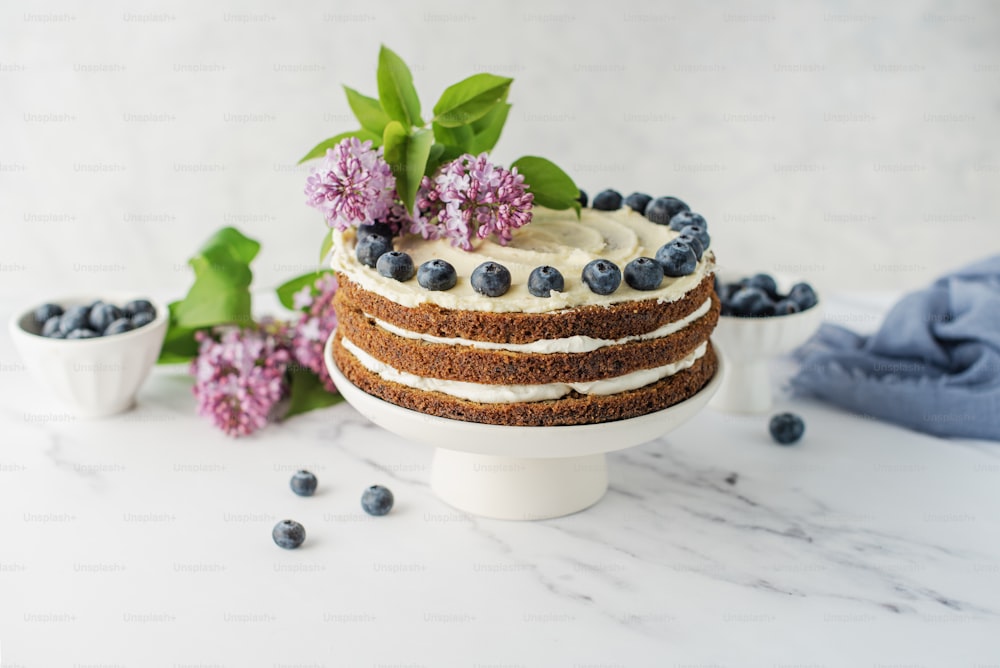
<point>786,307</point>
<point>644,273</point>
<point>700,232</point>
<point>74,318</point>
<point>304,483</point>
<point>137,306</point>
<point>119,326</point>
<point>46,312</point>
<point>377,500</point>
<point>607,200</point>
<point>582,199</point>
<point>491,279</point>
<point>543,280</point>
<point>396,265</point>
<point>51,328</point>
<point>662,209</point>
<point>766,283</point>
<point>692,241</point>
<point>786,428</point>
<point>288,534</point>
<point>437,275</point>
<point>752,302</point>
<point>685,218</point>
<point>677,258</point>
<point>602,276</point>
<point>371,248</point>
<point>82,334</point>
<point>143,318</point>
<point>638,202</point>
<point>381,229</point>
<point>803,295</point>
<point>102,315</point>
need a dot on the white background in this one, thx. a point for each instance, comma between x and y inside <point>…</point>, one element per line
<point>853,143</point>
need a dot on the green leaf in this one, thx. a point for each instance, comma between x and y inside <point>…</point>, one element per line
<point>434,158</point>
<point>319,150</point>
<point>486,131</point>
<point>307,393</point>
<point>179,345</point>
<point>459,138</point>
<point>286,291</point>
<point>367,110</point>
<point>395,89</point>
<point>552,187</point>
<point>470,99</point>
<point>325,247</point>
<point>407,157</point>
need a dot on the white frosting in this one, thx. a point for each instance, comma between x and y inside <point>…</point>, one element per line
<point>553,238</point>
<point>504,394</point>
<point>570,344</point>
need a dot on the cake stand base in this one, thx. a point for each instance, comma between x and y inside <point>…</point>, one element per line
<point>511,488</point>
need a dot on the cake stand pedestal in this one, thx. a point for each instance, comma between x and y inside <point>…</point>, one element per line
<point>519,473</point>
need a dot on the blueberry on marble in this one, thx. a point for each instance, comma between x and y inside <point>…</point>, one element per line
<point>371,248</point>
<point>491,279</point>
<point>137,306</point>
<point>786,307</point>
<point>766,283</point>
<point>644,273</point>
<point>82,333</point>
<point>751,302</point>
<point>437,274</point>
<point>638,202</point>
<point>143,318</point>
<point>103,315</point>
<point>543,280</point>
<point>75,317</point>
<point>46,312</point>
<point>382,229</point>
<point>119,326</point>
<point>602,276</point>
<point>685,218</point>
<point>677,258</point>
<point>377,500</point>
<point>396,265</point>
<point>582,198</point>
<point>288,534</point>
<point>304,483</point>
<point>698,231</point>
<point>692,241</point>
<point>662,209</point>
<point>607,200</point>
<point>786,428</point>
<point>803,295</point>
<point>51,328</point>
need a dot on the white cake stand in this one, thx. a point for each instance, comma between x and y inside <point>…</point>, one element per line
<point>519,473</point>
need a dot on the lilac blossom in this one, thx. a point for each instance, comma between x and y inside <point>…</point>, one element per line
<point>353,186</point>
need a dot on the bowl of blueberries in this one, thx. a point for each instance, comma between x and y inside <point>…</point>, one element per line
<point>93,354</point>
<point>763,316</point>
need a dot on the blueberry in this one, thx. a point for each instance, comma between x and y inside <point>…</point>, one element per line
<point>381,229</point>
<point>724,290</point>
<point>75,317</point>
<point>677,258</point>
<point>582,198</point>
<point>751,302</point>
<point>638,202</point>
<point>140,319</point>
<point>46,312</point>
<point>786,428</point>
<point>304,483</point>
<point>662,209</point>
<point>371,247</point>
<point>685,218</point>
<point>51,328</point>
<point>766,283</point>
<point>786,307</point>
<point>543,280</point>
<point>602,276</point>
<point>437,275</point>
<point>692,241</point>
<point>137,306</point>
<point>103,315</point>
<point>491,279</point>
<point>803,295</point>
<point>607,200</point>
<point>698,231</point>
<point>288,534</point>
<point>377,500</point>
<point>82,334</point>
<point>644,273</point>
<point>396,265</point>
<point>119,326</point>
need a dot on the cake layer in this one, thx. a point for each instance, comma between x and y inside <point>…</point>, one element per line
<point>503,367</point>
<point>615,321</point>
<point>575,408</point>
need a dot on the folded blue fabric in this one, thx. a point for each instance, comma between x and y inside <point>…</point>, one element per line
<point>933,366</point>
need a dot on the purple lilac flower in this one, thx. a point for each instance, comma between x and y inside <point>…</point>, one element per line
<point>240,376</point>
<point>353,186</point>
<point>314,328</point>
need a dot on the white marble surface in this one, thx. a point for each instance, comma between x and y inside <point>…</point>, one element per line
<point>144,540</point>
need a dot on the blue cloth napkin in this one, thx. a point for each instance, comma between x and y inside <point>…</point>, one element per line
<point>933,366</point>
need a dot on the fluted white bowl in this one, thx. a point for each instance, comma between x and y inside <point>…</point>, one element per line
<point>91,377</point>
